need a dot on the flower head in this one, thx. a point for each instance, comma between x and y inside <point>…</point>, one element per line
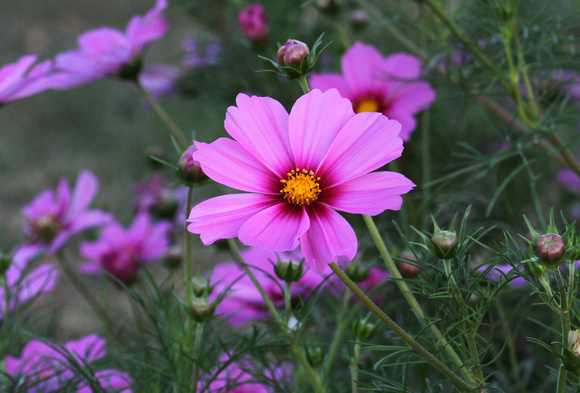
<point>107,51</point>
<point>23,282</point>
<point>374,83</point>
<point>47,368</point>
<point>298,169</point>
<point>120,252</point>
<point>254,23</point>
<point>54,216</point>
<point>21,79</point>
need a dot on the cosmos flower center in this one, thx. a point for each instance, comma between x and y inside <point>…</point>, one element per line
<point>46,227</point>
<point>300,187</point>
<point>366,105</point>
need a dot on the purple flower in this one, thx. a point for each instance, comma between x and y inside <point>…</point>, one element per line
<point>25,284</point>
<point>160,79</point>
<point>194,57</point>
<point>21,79</point>
<point>121,252</point>
<point>156,199</point>
<point>569,179</point>
<point>46,367</point>
<point>374,83</point>
<point>243,303</point>
<point>107,51</point>
<point>253,23</point>
<point>298,169</point>
<point>54,216</point>
<point>501,271</point>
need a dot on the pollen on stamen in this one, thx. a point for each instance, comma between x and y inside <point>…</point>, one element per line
<point>300,187</point>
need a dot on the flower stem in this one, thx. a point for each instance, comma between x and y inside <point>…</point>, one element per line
<point>7,299</point>
<point>196,351</point>
<point>287,298</point>
<point>165,118</point>
<point>461,384</point>
<point>354,367</point>
<point>392,267</point>
<point>565,325</point>
<point>188,249</point>
<point>341,324</point>
<point>304,84</point>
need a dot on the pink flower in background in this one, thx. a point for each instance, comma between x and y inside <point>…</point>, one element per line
<point>46,368</point>
<point>54,216</point>
<point>254,23</point>
<point>160,80</point>
<point>297,170</point>
<point>374,83</point>
<point>121,252</point>
<point>499,272</point>
<point>196,57</point>
<point>156,199</point>
<point>107,51</point>
<point>243,303</point>
<point>569,179</point>
<point>25,280</point>
<point>22,79</point>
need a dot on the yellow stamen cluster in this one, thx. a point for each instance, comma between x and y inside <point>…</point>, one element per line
<point>300,187</point>
<point>366,105</point>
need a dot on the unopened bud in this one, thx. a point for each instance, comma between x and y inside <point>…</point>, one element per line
<point>407,269</point>
<point>288,270</point>
<point>190,170</point>
<point>550,249</point>
<point>200,286</point>
<point>535,269</point>
<point>201,309</point>
<point>356,272</point>
<point>363,328</point>
<point>445,244</point>
<point>315,355</point>
<point>292,53</point>
<point>358,19</point>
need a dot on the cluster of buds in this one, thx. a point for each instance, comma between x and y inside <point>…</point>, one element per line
<point>550,250</point>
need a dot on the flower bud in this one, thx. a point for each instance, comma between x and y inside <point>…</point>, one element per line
<point>200,286</point>
<point>571,356</point>
<point>444,244</point>
<point>408,270</point>
<point>574,341</point>
<point>358,19</point>
<point>550,249</point>
<point>253,23</point>
<point>315,355</point>
<point>363,328</point>
<point>190,170</point>
<point>535,269</point>
<point>356,272</point>
<point>201,309</point>
<point>292,53</point>
<point>288,270</point>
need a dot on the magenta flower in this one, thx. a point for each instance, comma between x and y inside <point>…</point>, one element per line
<point>54,216</point>
<point>243,303</point>
<point>373,83</point>
<point>25,284</point>
<point>121,252</point>
<point>21,79</point>
<point>107,51</point>
<point>46,367</point>
<point>254,23</point>
<point>298,169</point>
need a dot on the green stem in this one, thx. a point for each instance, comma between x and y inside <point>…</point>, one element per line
<point>419,349</point>
<point>565,324</point>
<point>85,293</point>
<point>188,249</point>
<point>165,118</point>
<point>197,350</point>
<point>354,367</point>
<point>287,298</point>
<point>312,375</point>
<point>341,324</point>
<point>7,299</point>
<point>304,84</point>
<point>392,267</point>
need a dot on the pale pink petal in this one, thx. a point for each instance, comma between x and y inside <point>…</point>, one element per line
<point>89,348</point>
<point>12,73</point>
<point>369,194</point>
<point>275,228</point>
<point>228,162</point>
<point>222,217</point>
<point>85,190</point>
<point>412,98</point>
<point>329,237</point>
<point>39,281</point>
<point>367,142</point>
<point>101,40</point>
<point>315,121</point>
<point>361,69</point>
<point>408,123</point>
<point>325,82</point>
<point>400,67</point>
<point>260,124</point>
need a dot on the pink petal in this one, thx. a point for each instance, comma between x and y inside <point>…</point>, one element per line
<point>89,348</point>
<point>412,98</point>
<point>228,162</point>
<point>222,217</point>
<point>326,82</point>
<point>369,194</point>
<point>260,124</point>
<point>329,236</point>
<point>361,68</point>
<point>85,190</point>
<point>315,120</point>
<point>401,67</point>
<point>408,123</point>
<point>101,40</point>
<point>12,73</point>
<point>367,142</point>
<point>276,228</point>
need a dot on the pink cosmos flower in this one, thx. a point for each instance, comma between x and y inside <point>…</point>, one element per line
<point>121,252</point>
<point>47,368</point>
<point>298,169</point>
<point>243,303</point>
<point>25,284</point>
<point>374,83</point>
<point>160,80</point>
<point>21,79</point>
<point>107,51</point>
<point>254,23</point>
<point>54,216</point>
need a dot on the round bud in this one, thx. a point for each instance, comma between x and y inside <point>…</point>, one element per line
<point>288,270</point>
<point>201,309</point>
<point>200,286</point>
<point>364,329</point>
<point>292,53</point>
<point>445,244</point>
<point>550,249</point>
<point>407,269</point>
<point>315,355</point>
<point>190,170</point>
<point>356,272</point>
